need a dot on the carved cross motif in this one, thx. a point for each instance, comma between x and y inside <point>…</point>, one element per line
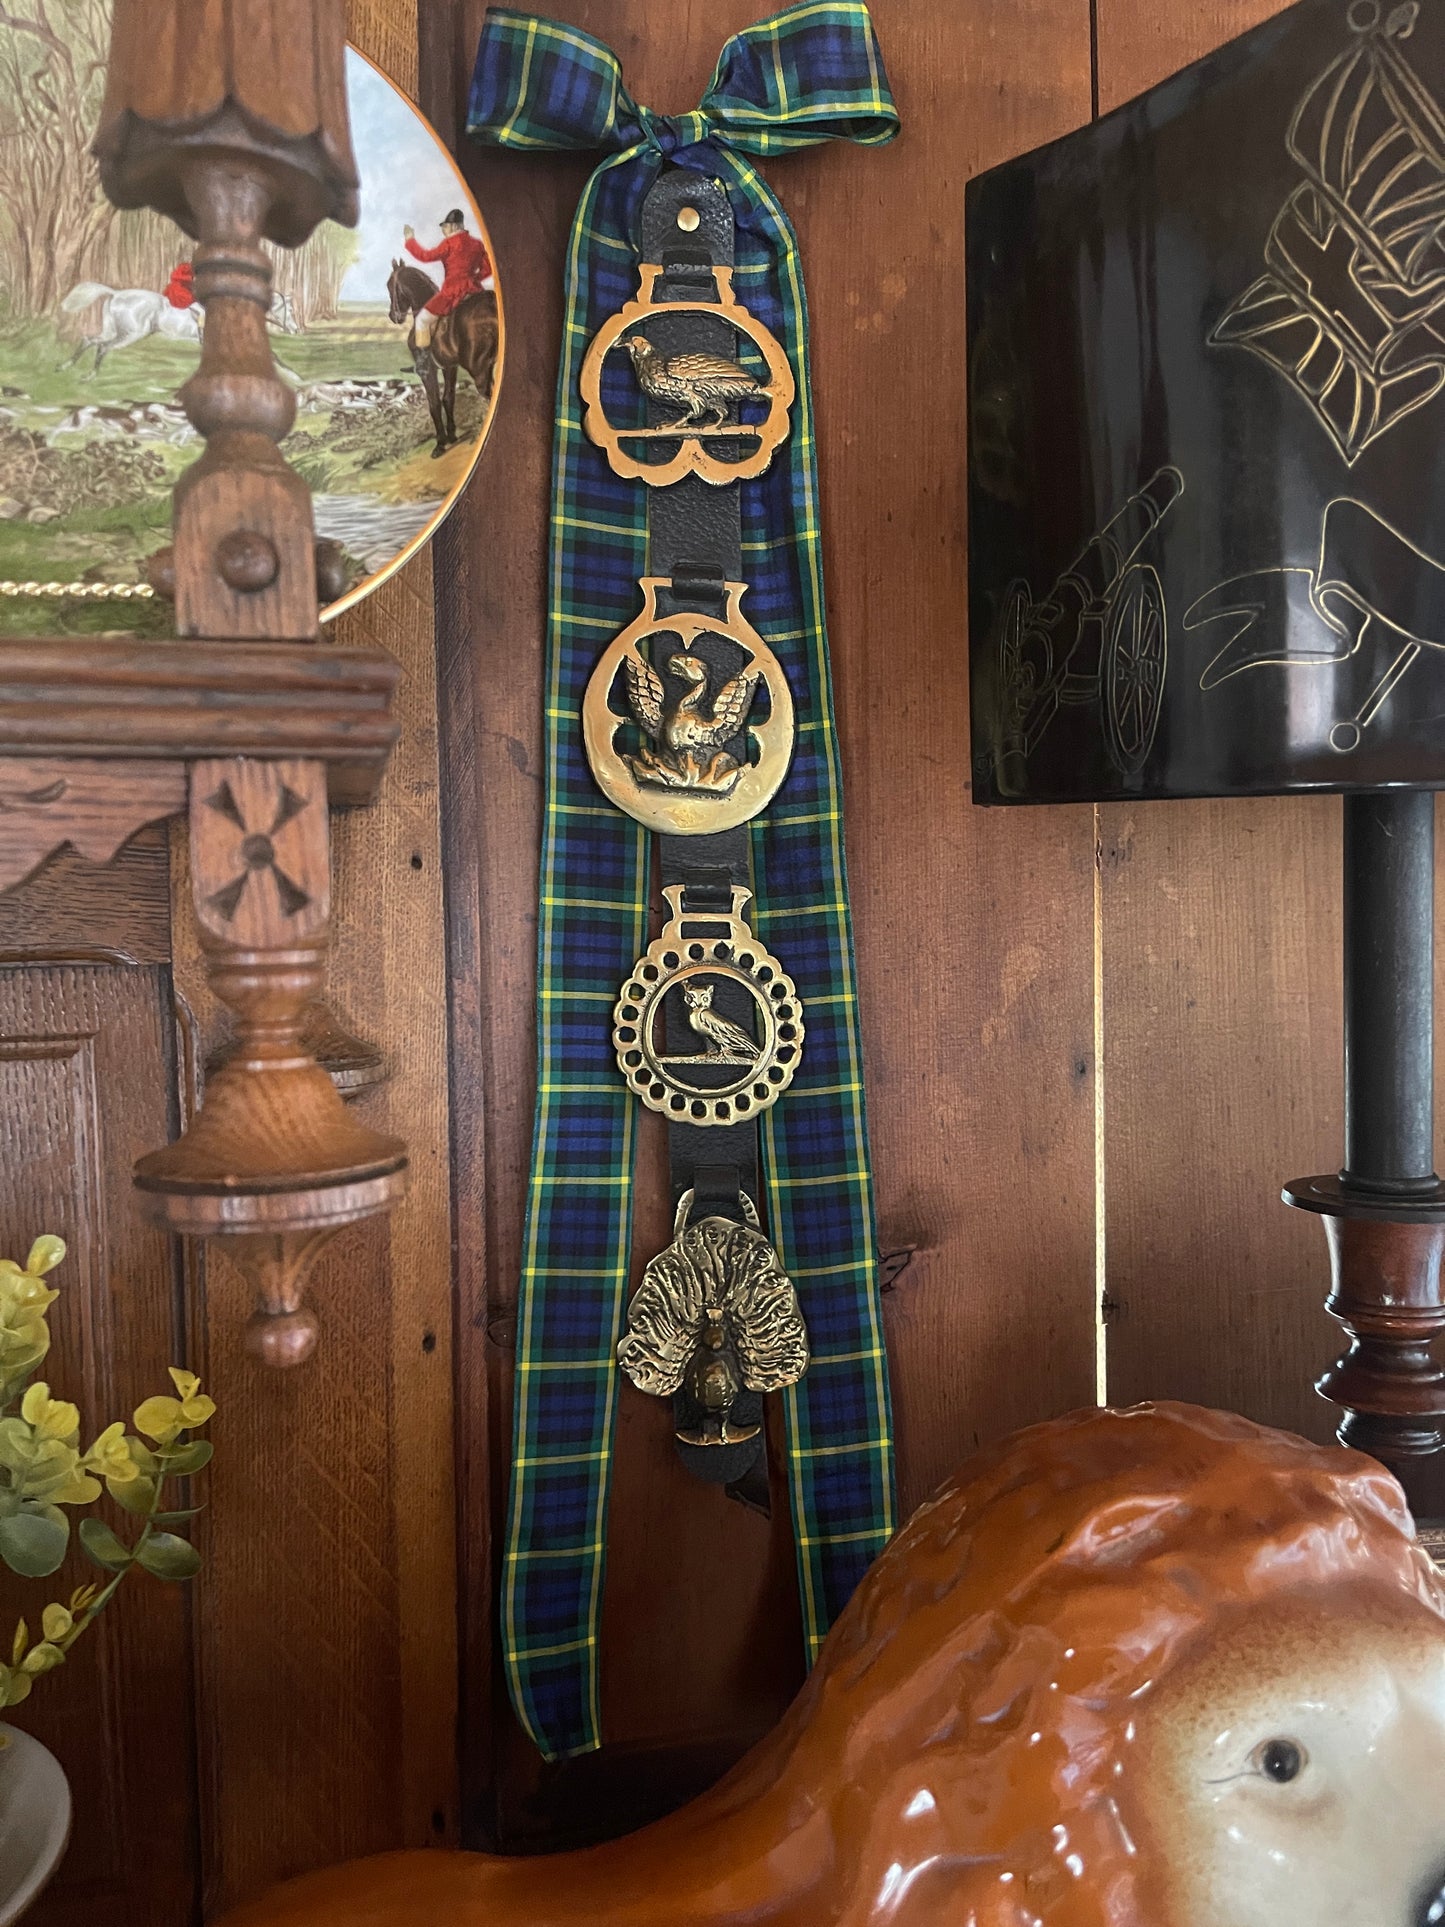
<point>259,847</point>
<point>258,852</point>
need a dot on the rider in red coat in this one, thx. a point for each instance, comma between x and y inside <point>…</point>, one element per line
<point>180,290</point>
<point>466,270</point>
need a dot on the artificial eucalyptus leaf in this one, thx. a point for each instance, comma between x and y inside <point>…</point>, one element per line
<point>168,1557</point>
<point>32,1544</point>
<point>137,1495</point>
<point>16,1684</point>
<point>176,1518</point>
<point>102,1547</point>
<point>180,1461</point>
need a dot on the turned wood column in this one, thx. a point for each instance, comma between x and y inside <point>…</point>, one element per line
<point>1385,1210</point>
<point>232,120</point>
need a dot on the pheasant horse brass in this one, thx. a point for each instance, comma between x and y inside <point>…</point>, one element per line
<point>730,1073</point>
<point>715,1315</point>
<point>691,769</point>
<point>701,387</point>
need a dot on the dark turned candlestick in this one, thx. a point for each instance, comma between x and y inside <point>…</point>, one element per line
<point>1385,1212</point>
<point>1389,904</point>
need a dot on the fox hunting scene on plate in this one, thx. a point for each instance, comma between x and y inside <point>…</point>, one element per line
<point>389,333</point>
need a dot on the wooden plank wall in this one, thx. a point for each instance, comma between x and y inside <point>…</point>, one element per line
<point>1097,1041</point>
<point>975,934</point>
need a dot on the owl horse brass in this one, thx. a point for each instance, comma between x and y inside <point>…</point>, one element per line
<point>692,769</point>
<point>700,387</point>
<point>730,1074</point>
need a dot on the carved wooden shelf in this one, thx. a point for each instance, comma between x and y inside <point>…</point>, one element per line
<point>114,702</point>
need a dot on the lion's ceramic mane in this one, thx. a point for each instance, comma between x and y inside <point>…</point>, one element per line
<point>1017,1626</point>
<point>964,1750</point>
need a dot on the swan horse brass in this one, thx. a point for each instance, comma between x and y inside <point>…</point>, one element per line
<point>688,685</point>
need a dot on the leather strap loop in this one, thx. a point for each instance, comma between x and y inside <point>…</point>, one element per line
<point>694,535</point>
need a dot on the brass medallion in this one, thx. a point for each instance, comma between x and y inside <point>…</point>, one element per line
<point>715,1315</point>
<point>695,756</point>
<point>718,1070</point>
<point>700,387</point>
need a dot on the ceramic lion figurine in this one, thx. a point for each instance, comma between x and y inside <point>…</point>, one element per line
<point>1154,1668</point>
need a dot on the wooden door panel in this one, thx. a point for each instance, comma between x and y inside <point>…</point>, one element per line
<point>87,1082</point>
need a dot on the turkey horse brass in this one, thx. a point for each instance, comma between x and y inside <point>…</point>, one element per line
<point>714,1316</point>
<point>1206,364</point>
<point>688,720</point>
<point>698,390</point>
<point>679,1053</point>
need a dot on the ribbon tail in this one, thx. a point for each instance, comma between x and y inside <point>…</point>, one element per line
<point>845,1506</point>
<point>577,1242</point>
<point>812,73</point>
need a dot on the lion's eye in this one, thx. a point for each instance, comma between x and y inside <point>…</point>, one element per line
<point>1278,1760</point>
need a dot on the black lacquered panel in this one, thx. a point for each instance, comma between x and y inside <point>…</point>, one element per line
<point>1207,428</point>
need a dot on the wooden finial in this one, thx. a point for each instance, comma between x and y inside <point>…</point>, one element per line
<point>263,80</point>
<point>236,126</point>
<point>231,117</point>
<point>282,1331</point>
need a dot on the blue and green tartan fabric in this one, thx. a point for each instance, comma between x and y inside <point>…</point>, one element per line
<point>812,73</point>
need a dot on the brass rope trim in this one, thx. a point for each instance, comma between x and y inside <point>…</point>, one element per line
<point>81,591</point>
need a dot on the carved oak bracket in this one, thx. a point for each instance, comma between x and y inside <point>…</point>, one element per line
<point>246,723</point>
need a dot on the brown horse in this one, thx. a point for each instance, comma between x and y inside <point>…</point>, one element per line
<point>465,338</point>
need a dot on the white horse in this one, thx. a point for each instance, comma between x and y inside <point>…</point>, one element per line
<point>282,315</point>
<point>132,314</point>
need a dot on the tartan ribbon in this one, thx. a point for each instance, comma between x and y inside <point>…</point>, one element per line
<point>813,73</point>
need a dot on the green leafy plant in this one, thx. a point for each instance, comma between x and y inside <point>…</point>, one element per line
<point>45,1476</point>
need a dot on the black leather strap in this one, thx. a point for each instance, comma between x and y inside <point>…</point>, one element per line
<point>695,540</point>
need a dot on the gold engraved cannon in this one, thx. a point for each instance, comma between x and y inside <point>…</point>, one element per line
<point>1100,636</point>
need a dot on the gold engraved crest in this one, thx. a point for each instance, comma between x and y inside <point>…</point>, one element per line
<point>678,1050</point>
<point>700,387</point>
<point>715,1314</point>
<point>700,752</point>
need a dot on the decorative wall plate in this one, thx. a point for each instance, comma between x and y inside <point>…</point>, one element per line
<point>93,348</point>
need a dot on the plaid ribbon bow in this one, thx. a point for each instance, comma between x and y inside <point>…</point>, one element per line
<point>811,74</point>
